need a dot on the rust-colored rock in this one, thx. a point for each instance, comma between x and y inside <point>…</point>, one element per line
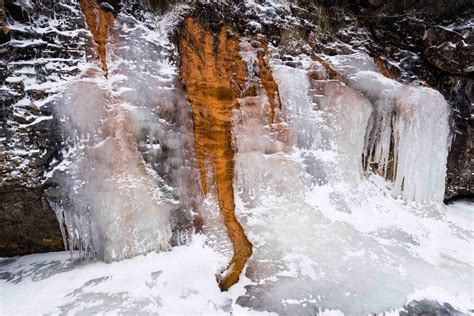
<point>5,34</point>
<point>383,68</point>
<point>268,83</point>
<point>214,73</point>
<point>331,72</point>
<point>278,127</point>
<point>99,21</point>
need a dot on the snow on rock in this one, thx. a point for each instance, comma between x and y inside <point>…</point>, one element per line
<point>37,67</point>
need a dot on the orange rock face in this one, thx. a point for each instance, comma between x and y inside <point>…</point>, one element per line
<point>383,68</point>
<point>214,74</point>
<point>99,21</point>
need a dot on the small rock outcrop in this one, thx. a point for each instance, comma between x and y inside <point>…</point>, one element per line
<point>450,50</point>
<point>28,223</point>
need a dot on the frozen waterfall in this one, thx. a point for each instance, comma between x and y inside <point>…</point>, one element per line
<point>121,166</point>
<point>338,185</point>
<point>408,134</point>
<point>326,233</point>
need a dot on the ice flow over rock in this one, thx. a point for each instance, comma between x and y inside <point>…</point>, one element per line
<point>407,138</point>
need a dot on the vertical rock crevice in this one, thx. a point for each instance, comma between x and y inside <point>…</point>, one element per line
<point>214,74</point>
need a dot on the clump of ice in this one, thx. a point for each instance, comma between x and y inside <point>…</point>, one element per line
<point>408,131</point>
<point>116,207</point>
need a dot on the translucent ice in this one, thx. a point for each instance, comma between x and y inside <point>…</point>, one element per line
<point>408,136</point>
<point>326,234</point>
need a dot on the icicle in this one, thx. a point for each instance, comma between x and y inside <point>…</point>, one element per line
<point>421,132</point>
<point>408,132</point>
<point>120,183</point>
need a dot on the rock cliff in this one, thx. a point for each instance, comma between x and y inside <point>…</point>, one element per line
<point>43,43</point>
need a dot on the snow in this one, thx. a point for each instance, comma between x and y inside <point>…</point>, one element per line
<point>26,43</point>
<point>181,281</point>
<point>38,120</point>
<point>322,265</point>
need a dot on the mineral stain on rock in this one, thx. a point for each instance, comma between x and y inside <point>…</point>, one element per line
<point>99,20</point>
<point>214,73</point>
<point>268,83</point>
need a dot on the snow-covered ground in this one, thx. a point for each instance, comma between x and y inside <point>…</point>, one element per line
<point>183,280</point>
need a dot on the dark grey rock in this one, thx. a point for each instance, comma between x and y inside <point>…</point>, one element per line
<point>16,11</point>
<point>449,50</point>
<point>429,308</point>
<point>28,224</point>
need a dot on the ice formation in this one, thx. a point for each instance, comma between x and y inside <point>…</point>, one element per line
<point>319,224</point>
<point>125,149</point>
<point>408,132</point>
<point>316,187</point>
